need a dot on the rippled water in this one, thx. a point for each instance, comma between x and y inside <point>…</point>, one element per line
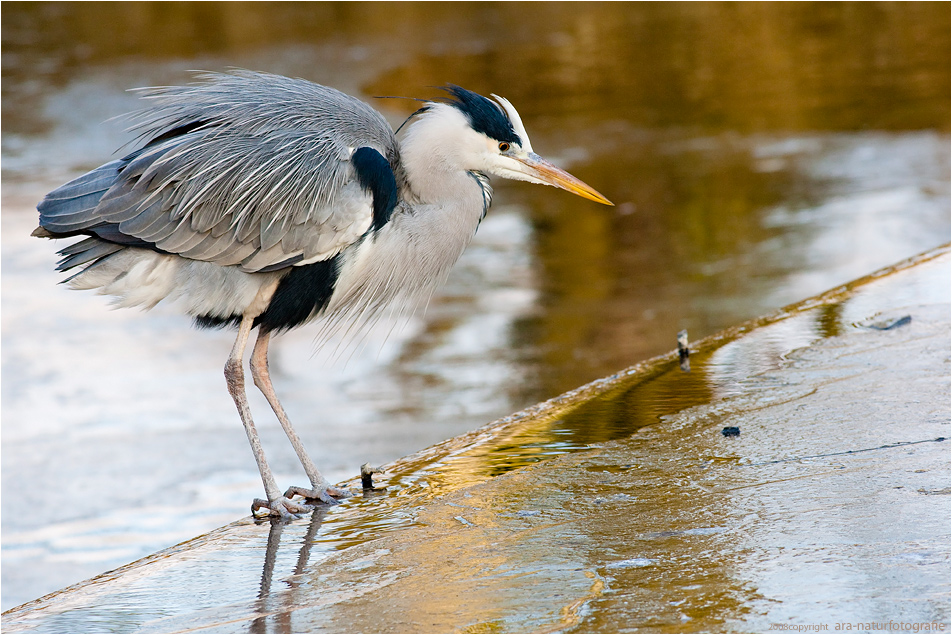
<point>757,155</point>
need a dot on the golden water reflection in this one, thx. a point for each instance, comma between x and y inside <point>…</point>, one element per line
<point>739,66</point>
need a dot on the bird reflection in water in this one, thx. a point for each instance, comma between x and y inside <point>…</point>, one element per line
<point>278,606</point>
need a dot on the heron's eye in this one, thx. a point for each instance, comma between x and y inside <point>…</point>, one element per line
<point>503,146</point>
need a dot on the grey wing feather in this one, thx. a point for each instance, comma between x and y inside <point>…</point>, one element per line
<point>69,208</point>
<point>85,251</point>
<point>238,169</point>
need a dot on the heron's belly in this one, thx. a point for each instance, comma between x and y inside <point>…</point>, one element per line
<point>143,278</point>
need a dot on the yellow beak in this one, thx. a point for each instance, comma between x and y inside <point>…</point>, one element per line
<point>548,174</point>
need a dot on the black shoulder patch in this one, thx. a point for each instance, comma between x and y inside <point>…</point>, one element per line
<point>303,293</point>
<point>375,174</point>
<point>484,116</point>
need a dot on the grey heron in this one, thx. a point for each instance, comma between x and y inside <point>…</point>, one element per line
<point>259,201</point>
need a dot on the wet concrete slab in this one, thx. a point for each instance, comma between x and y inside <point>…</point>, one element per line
<point>797,477</point>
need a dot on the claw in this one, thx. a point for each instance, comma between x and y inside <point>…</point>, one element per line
<point>282,507</point>
<point>325,494</point>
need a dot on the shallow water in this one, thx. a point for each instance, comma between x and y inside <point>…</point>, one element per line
<point>757,154</point>
<point>670,526</point>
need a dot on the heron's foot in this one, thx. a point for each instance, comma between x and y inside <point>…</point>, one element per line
<point>281,507</point>
<point>324,493</point>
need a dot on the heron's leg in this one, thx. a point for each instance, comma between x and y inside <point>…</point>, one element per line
<point>235,377</point>
<point>321,489</point>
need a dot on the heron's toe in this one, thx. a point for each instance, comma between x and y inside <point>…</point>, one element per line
<point>282,507</point>
<point>325,494</point>
<point>336,495</point>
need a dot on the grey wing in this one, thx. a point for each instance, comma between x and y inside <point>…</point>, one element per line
<point>241,169</point>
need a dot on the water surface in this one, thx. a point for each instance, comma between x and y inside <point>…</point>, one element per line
<point>757,154</point>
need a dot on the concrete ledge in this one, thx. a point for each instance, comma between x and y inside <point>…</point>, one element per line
<point>626,505</point>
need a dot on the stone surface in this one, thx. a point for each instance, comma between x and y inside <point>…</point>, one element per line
<point>622,506</point>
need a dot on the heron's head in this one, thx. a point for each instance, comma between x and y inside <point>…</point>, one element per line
<point>470,132</point>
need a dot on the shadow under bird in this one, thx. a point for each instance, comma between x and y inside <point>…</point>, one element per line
<point>259,201</point>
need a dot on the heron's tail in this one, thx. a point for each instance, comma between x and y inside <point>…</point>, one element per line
<point>85,252</point>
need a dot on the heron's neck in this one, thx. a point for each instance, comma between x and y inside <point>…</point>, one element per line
<point>435,171</point>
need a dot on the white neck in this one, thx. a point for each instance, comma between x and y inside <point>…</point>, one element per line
<point>436,161</point>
